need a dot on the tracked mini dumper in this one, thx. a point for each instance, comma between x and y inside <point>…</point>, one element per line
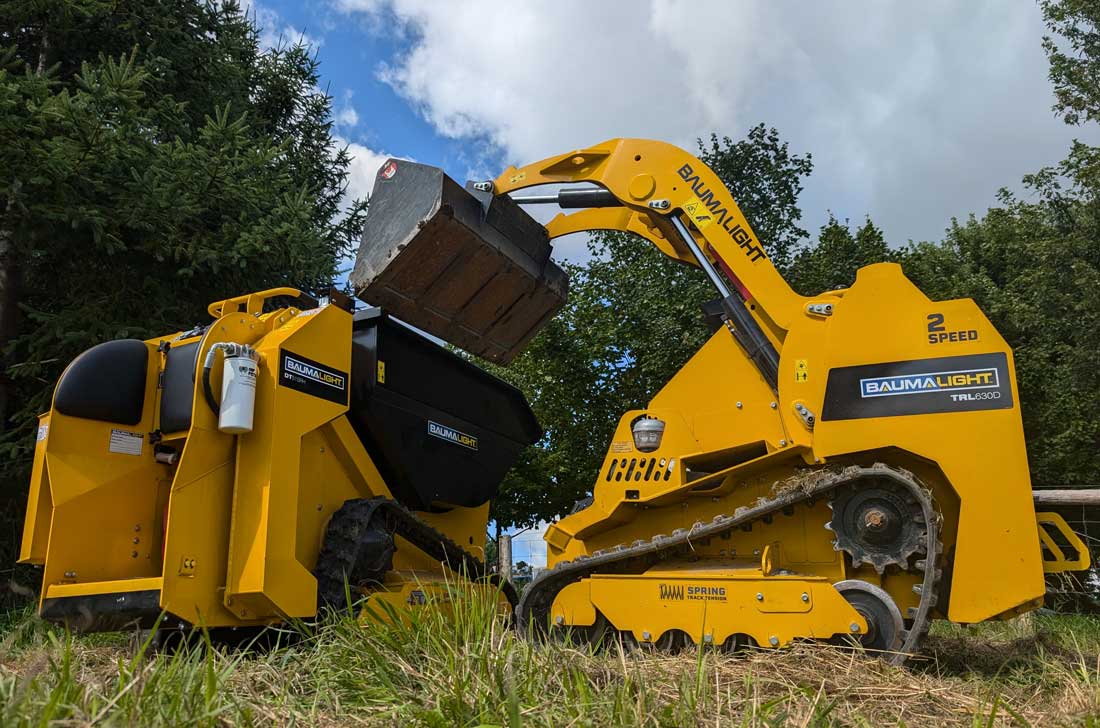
<point>249,470</point>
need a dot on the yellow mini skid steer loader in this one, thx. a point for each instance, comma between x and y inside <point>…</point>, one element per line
<point>845,465</point>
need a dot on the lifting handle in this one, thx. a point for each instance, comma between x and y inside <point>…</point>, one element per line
<point>251,303</point>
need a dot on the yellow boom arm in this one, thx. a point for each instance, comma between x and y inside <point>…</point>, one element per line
<point>672,199</point>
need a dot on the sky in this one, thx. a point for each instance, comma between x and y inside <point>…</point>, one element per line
<point>914,113</point>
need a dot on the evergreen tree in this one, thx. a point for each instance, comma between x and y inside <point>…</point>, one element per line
<point>153,158</point>
<point>833,262</point>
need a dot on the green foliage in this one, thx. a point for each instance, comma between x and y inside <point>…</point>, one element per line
<point>1034,269</point>
<point>1074,57</point>
<point>838,254</point>
<point>155,158</point>
<point>765,179</point>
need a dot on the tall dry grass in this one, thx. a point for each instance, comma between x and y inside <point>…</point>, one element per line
<point>473,670</point>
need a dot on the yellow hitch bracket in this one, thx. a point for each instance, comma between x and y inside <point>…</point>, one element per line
<point>1054,555</point>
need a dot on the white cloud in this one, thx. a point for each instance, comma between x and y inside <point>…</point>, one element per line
<point>914,111</point>
<point>346,116</point>
<point>274,32</point>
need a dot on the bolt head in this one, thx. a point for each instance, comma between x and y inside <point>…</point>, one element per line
<point>773,641</point>
<point>874,519</point>
<point>646,636</point>
<point>774,405</point>
<point>854,627</point>
<point>559,620</point>
<point>708,638</point>
<point>738,405</point>
<point>805,597</point>
<point>782,443</point>
<point>759,596</point>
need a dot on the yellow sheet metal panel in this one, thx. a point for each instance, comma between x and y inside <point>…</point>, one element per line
<point>712,606</point>
<point>118,586</point>
<point>197,537</point>
<point>303,383</point>
<point>103,491</point>
<point>36,522</point>
<point>886,333</point>
<point>722,397</point>
<point>573,605</point>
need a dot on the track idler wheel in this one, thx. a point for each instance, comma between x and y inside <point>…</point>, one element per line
<point>885,627</point>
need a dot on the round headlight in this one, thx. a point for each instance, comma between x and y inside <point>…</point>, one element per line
<point>648,433</point>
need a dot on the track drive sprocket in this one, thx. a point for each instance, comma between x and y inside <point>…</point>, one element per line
<point>878,522</point>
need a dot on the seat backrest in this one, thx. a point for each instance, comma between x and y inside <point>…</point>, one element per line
<point>106,383</point>
<point>178,393</point>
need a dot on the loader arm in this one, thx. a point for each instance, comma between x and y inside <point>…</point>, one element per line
<point>671,198</point>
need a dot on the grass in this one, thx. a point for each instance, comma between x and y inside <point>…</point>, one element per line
<point>473,671</point>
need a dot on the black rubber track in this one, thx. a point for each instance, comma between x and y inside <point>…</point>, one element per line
<point>354,552</point>
<point>534,607</point>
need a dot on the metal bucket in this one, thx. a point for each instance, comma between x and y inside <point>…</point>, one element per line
<point>468,267</point>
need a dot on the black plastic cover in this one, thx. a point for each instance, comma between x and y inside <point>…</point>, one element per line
<point>441,430</point>
<point>104,612</point>
<point>106,383</point>
<point>178,394</point>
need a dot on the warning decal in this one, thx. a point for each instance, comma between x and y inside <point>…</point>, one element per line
<point>125,443</point>
<point>801,371</point>
<point>699,213</point>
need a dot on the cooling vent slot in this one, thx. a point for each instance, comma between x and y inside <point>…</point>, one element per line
<point>636,469</point>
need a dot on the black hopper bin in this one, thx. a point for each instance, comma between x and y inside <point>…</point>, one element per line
<point>442,431</point>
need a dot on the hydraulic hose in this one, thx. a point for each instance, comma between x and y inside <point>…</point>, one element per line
<point>208,364</point>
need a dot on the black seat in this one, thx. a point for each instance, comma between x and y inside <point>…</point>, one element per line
<point>106,383</point>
